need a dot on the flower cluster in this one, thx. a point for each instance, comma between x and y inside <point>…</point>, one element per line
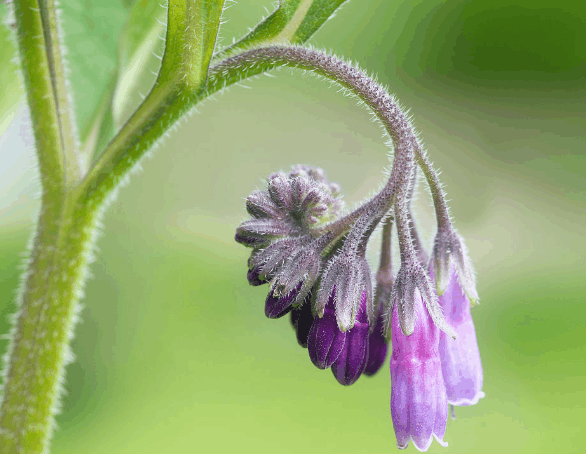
<point>313,259</point>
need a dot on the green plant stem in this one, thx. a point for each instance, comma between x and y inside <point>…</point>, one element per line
<point>51,285</point>
<point>53,282</point>
<point>67,125</point>
<point>40,338</point>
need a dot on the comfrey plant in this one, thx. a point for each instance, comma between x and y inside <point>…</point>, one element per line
<point>305,247</point>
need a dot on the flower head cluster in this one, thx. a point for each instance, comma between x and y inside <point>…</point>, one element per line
<point>313,259</point>
<point>317,272</point>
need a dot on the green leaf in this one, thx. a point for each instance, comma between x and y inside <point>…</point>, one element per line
<point>90,30</point>
<point>141,37</point>
<point>12,90</point>
<point>130,76</point>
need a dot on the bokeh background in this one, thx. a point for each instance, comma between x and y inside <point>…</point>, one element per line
<point>174,353</point>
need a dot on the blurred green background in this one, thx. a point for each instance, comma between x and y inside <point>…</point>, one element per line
<point>174,353</point>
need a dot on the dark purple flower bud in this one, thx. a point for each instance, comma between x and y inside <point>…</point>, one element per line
<point>354,356</point>
<point>325,341</point>
<point>302,319</point>
<point>377,347</point>
<point>419,406</point>
<point>278,304</point>
<point>461,366</point>
<point>254,278</point>
<point>259,232</point>
<point>450,250</point>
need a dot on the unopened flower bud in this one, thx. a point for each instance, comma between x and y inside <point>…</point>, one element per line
<point>378,346</point>
<point>265,263</point>
<point>254,277</point>
<point>278,304</point>
<point>354,355</point>
<point>350,276</point>
<point>260,232</point>
<point>325,341</point>
<point>259,205</point>
<point>302,319</point>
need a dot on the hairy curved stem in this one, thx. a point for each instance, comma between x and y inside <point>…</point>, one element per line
<point>442,212</point>
<point>421,254</point>
<point>360,84</point>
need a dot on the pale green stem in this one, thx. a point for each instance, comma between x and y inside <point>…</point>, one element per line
<point>39,345</point>
<point>47,299</point>
<point>52,284</point>
<point>67,125</point>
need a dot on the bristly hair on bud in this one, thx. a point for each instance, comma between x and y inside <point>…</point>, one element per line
<point>349,272</point>
<point>412,277</point>
<point>449,250</point>
<point>292,206</point>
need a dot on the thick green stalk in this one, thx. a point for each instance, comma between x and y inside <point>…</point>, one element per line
<point>52,282</point>
<point>38,353</point>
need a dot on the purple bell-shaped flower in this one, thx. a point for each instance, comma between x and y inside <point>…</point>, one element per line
<point>461,366</point>
<point>419,406</point>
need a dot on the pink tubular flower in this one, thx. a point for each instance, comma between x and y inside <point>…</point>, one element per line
<point>419,405</point>
<point>461,366</point>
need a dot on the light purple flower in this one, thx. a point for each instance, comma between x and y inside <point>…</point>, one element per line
<point>461,366</point>
<point>419,406</point>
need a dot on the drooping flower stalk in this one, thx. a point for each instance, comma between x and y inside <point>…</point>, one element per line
<point>336,316</point>
<point>396,125</point>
